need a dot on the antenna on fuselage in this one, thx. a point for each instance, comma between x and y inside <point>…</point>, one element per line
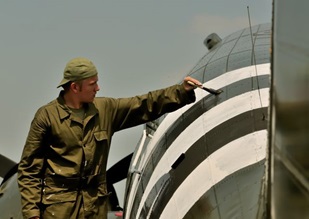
<point>254,61</point>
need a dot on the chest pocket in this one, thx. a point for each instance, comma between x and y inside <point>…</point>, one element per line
<point>101,152</point>
<point>100,136</point>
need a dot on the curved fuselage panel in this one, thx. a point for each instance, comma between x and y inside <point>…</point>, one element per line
<point>207,159</point>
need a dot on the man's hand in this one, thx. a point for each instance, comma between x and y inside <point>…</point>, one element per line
<point>188,86</point>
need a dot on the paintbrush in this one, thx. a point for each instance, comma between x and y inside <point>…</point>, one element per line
<point>209,90</point>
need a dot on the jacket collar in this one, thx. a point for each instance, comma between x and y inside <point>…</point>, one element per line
<point>64,111</point>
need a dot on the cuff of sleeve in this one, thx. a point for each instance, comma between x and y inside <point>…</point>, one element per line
<point>189,96</point>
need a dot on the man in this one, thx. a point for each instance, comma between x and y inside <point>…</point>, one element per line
<point>62,172</point>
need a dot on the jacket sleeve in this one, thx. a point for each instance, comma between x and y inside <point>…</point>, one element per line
<point>141,109</point>
<point>31,165</point>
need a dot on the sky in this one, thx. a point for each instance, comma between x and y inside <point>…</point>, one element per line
<point>136,45</point>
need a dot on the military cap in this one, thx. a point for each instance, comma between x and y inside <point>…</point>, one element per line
<point>78,69</point>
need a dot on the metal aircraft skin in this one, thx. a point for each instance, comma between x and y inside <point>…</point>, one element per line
<point>288,166</point>
<point>207,160</point>
<point>240,154</point>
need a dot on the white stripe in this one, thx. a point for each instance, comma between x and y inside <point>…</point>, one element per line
<point>234,156</point>
<point>210,119</point>
<point>218,82</point>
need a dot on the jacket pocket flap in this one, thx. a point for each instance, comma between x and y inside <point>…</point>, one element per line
<point>100,135</point>
<point>65,196</point>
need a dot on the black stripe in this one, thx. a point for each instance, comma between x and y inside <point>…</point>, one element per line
<point>156,191</point>
<point>212,200</point>
<point>213,140</point>
<point>206,103</point>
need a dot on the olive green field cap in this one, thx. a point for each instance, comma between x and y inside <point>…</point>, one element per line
<point>78,69</point>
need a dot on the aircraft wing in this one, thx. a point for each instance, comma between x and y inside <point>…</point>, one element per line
<point>5,165</point>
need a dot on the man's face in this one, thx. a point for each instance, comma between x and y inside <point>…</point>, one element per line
<point>88,89</point>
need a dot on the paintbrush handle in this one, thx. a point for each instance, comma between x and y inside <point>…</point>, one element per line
<point>210,90</point>
<point>194,84</point>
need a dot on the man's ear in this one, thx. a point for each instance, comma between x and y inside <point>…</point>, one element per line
<point>74,87</point>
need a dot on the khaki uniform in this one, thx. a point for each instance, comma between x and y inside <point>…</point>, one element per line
<point>63,166</point>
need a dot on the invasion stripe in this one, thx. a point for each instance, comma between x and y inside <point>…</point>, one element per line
<point>200,151</point>
<point>188,117</point>
<point>238,126</point>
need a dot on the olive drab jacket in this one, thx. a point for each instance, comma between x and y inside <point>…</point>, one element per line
<point>64,156</point>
